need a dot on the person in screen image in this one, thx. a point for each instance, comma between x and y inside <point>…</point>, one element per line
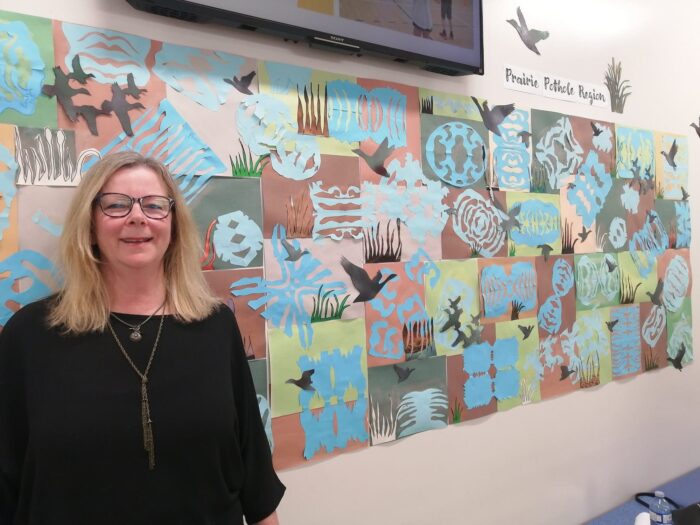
<point>422,18</point>
<point>126,398</point>
<point>446,16</point>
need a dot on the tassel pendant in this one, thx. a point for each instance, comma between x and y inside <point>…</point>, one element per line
<point>148,444</point>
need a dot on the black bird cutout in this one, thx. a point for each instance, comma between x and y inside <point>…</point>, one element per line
<point>651,217</point>
<point>565,372</point>
<point>696,127</point>
<point>611,324</point>
<point>685,194</point>
<point>121,108</point>
<point>453,314</point>
<point>304,382</point>
<point>242,84</point>
<point>655,297</point>
<point>376,160</point>
<point>90,114</point>
<point>494,116</point>
<point>78,74</point>
<point>583,235</point>
<point>293,254</point>
<point>677,361</point>
<point>596,130</point>
<point>671,155</point>
<point>131,88</point>
<point>525,137</point>
<point>511,221</point>
<point>367,287</point>
<point>63,92</point>
<point>526,330</point>
<point>530,37</point>
<point>403,373</point>
<point>571,186</point>
<point>546,250</point>
<point>612,265</point>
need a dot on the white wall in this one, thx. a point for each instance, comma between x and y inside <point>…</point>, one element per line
<point>560,461</point>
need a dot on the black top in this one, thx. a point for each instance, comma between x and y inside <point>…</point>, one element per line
<point>71,440</point>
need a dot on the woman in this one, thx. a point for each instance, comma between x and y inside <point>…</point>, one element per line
<point>126,398</point>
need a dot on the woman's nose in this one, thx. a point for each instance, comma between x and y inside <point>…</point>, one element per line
<point>136,214</point>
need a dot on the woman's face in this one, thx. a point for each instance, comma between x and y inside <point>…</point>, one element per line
<point>133,242</point>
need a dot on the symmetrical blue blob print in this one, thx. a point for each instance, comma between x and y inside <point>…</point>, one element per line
<point>511,156</point>
<point>198,74</point>
<point>421,268</point>
<point>480,388</point>
<point>299,159</point>
<point>500,289</point>
<point>630,198</point>
<point>540,223</point>
<point>635,153</point>
<point>559,153</point>
<point>420,411</point>
<point>590,188</point>
<point>654,325</point>
<point>676,283</point>
<point>381,339</point>
<point>648,243</point>
<point>456,140</point>
<point>596,282</point>
<point>284,298</point>
<point>549,315</point>
<point>334,426</point>
<point>682,224</point>
<point>617,233</point>
<point>478,223</point>
<point>263,122</point>
<point>21,68</point>
<point>356,113</point>
<point>8,171</point>
<point>237,238</point>
<point>19,266</point>
<point>109,55</point>
<point>164,134</point>
<point>625,341</point>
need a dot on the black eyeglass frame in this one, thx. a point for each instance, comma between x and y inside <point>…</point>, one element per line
<point>132,200</point>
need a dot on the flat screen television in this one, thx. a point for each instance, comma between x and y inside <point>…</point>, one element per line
<point>443,36</point>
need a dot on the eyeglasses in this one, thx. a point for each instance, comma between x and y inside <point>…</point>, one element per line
<point>120,205</point>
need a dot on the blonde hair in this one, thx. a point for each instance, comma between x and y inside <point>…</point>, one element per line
<point>82,305</point>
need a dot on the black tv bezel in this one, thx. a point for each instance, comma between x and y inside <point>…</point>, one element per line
<point>191,12</point>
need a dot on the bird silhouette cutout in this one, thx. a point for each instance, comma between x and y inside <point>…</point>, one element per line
<point>611,325</point>
<point>493,117</point>
<point>684,194</point>
<point>121,108</point>
<point>670,156</point>
<point>565,372</point>
<point>293,254</point>
<point>525,137</point>
<point>63,92</point>
<point>78,74</point>
<point>367,287</point>
<point>304,382</point>
<point>596,130</point>
<point>655,297</point>
<point>453,314</point>
<point>403,373</point>
<point>376,160</point>
<point>677,361</point>
<point>583,235</point>
<point>546,250</point>
<point>612,265</point>
<point>651,217</point>
<point>242,84</point>
<point>90,114</point>
<point>511,221</point>
<point>530,37</point>
<point>132,89</point>
<point>526,330</point>
<point>696,127</point>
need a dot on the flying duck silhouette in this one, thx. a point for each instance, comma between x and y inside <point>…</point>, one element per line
<point>696,127</point>
<point>293,254</point>
<point>671,155</point>
<point>403,373</point>
<point>242,84</point>
<point>376,160</point>
<point>584,233</point>
<point>304,382</point>
<point>131,88</point>
<point>121,108</point>
<point>367,287</point>
<point>677,361</point>
<point>530,37</point>
<point>526,330</point>
<point>492,117</point>
<point>611,324</point>
<point>565,372</point>
<point>655,298</point>
<point>78,74</point>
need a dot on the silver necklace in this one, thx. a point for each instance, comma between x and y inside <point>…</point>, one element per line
<point>135,334</point>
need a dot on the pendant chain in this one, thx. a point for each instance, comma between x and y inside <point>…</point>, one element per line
<point>146,423</point>
<point>135,335</point>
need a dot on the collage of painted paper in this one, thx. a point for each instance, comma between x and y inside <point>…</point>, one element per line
<point>399,259</point>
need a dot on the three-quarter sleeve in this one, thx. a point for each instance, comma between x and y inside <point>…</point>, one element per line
<point>262,489</point>
<point>13,420</point>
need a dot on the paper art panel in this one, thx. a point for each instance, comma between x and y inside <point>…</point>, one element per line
<point>476,225</point>
<point>508,289</point>
<point>534,224</point>
<point>407,398</point>
<point>452,303</point>
<point>675,219</point>
<point>491,372</point>
<point>228,212</point>
<point>671,166</point>
<point>328,204</point>
<point>675,274</point>
<point>575,236</point>
<point>527,364</point>
<point>556,152</point>
<point>558,363</point>
<point>27,56</point>
<point>250,321</point>
<point>634,288</point>
<point>556,295</point>
<point>510,153</point>
<point>595,136</point>
<point>398,326</point>
<point>456,379</point>
<point>9,206</point>
<point>597,280</point>
<point>455,151</point>
<point>625,340</point>
<point>447,105</point>
<point>635,154</point>
<point>654,336</point>
<point>680,336</point>
<point>589,356</point>
<point>623,215</point>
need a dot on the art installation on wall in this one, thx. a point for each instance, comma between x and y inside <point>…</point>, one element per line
<point>399,259</point>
